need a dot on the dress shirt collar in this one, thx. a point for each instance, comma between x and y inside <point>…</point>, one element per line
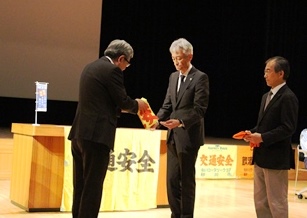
<point>275,89</point>
<point>110,59</point>
<point>187,72</point>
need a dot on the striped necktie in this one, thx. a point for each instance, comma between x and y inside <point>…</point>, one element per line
<point>268,99</point>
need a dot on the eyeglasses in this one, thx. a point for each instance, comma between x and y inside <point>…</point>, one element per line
<point>127,62</point>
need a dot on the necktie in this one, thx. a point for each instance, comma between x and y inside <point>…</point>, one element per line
<point>268,99</point>
<point>181,82</point>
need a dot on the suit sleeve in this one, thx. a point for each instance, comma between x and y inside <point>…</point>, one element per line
<point>118,92</point>
<point>193,114</point>
<point>166,109</point>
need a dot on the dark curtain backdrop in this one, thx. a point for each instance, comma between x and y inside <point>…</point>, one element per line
<point>231,39</point>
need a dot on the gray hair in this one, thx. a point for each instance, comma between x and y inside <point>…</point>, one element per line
<point>181,44</point>
<point>281,64</point>
<point>117,48</point>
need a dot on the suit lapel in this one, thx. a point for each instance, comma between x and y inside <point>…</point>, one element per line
<point>173,87</point>
<point>272,102</point>
<point>186,84</point>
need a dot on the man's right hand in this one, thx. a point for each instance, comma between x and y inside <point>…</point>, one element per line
<point>142,105</point>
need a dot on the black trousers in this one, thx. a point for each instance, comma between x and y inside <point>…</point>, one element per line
<point>181,180</point>
<point>90,164</point>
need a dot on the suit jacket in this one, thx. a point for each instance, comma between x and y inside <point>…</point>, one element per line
<point>102,95</point>
<point>276,125</point>
<point>189,106</point>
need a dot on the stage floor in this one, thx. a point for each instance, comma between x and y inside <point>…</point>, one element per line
<point>214,199</point>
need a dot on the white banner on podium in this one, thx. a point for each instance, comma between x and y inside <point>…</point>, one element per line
<point>41,98</point>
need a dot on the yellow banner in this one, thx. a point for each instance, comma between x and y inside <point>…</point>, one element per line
<point>216,162</point>
<point>132,177</point>
<point>244,157</point>
<point>224,162</point>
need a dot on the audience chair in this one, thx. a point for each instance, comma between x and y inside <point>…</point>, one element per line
<point>301,157</point>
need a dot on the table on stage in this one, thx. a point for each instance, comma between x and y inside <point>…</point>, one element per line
<point>136,179</point>
<point>42,167</point>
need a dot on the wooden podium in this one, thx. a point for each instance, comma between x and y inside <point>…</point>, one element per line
<point>38,167</point>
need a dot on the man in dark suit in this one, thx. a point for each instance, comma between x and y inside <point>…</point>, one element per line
<point>102,96</point>
<point>183,113</point>
<point>273,153</point>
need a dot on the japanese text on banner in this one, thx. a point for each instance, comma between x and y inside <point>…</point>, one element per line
<point>41,96</point>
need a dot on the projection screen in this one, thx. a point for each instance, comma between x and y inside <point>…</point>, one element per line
<point>47,41</point>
